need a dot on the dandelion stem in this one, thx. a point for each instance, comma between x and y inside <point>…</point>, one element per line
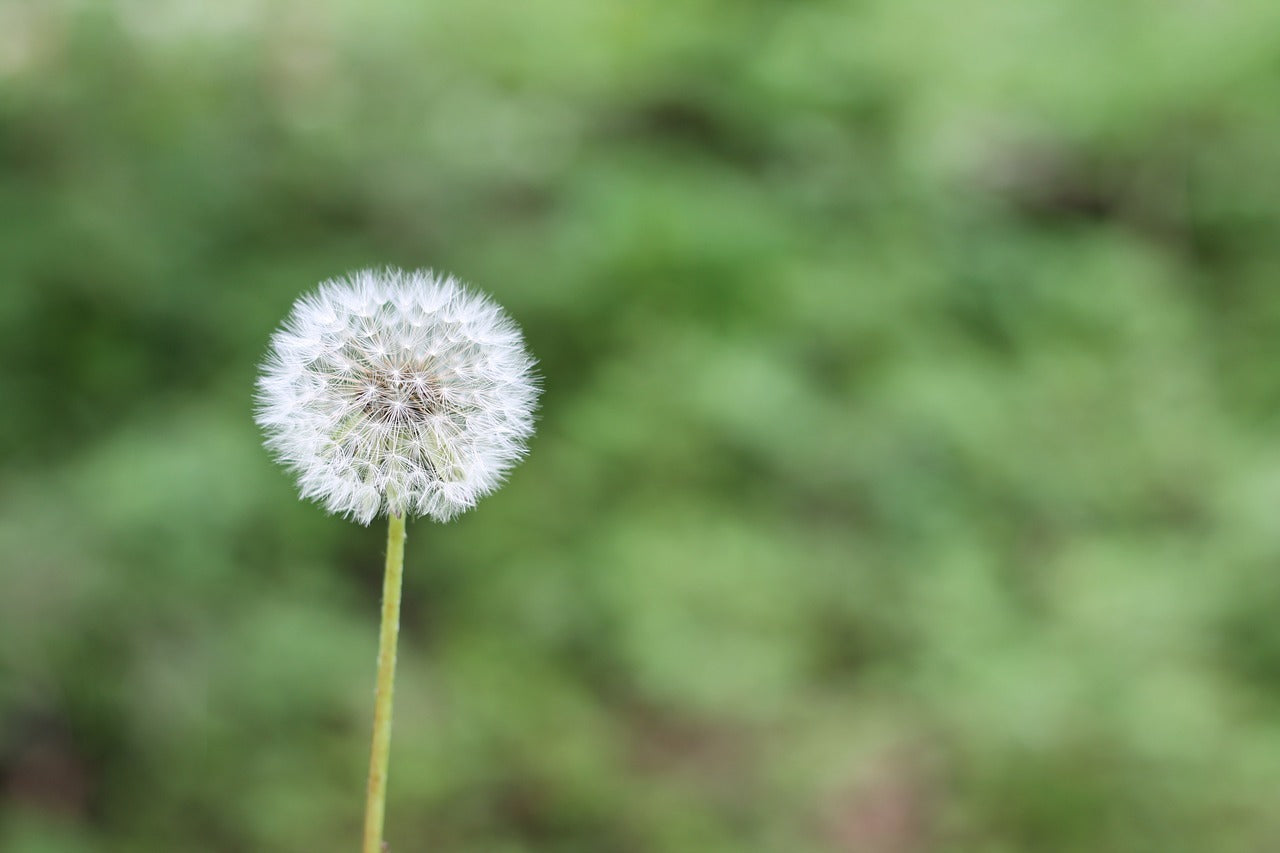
<point>375,804</point>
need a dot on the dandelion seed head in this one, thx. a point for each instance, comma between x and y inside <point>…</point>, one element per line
<point>397,392</point>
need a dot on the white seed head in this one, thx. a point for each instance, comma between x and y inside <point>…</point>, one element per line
<point>397,392</point>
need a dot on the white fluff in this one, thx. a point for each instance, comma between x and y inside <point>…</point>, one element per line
<point>397,392</point>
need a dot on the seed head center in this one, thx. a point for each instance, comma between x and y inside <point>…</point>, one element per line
<point>395,393</point>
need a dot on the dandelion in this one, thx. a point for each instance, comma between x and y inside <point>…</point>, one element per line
<point>396,393</point>
<point>393,393</point>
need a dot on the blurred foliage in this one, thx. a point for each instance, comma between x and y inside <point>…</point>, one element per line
<point>908,469</point>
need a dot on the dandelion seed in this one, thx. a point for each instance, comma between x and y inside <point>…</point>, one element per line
<point>391,392</point>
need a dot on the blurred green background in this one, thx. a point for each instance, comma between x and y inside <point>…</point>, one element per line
<point>908,470</point>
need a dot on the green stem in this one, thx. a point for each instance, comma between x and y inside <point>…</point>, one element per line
<point>375,804</point>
